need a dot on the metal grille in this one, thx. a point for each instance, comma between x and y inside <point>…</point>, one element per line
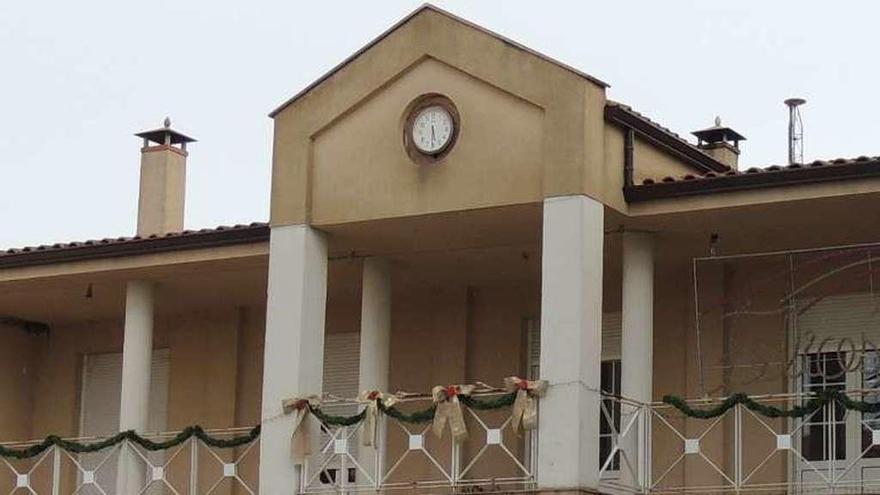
<point>410,457</point>
<point>662,451</point>
<point>189,469</point>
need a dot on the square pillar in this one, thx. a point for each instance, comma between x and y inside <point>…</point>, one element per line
<point>375,347</point>
<point>294,346</point>
<point>571,342</point>
<point>637,346</point>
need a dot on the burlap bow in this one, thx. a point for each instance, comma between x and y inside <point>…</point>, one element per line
<point>300,439</point>
<point>449,410</point>
<point>371,399</point>
<point>525,407</point>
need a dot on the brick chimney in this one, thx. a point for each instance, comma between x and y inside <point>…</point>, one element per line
<point>162,193</point>
<point>720,142</point>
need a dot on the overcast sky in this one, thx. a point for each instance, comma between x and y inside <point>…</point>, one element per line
<point>79,78</point>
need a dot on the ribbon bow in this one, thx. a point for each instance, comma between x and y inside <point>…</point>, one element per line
<point>525,407</point>
<point>300,439</point>
<point>372,399</point>
<point>449,410</point>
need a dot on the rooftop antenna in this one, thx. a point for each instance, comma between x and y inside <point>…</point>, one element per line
<point>795,131</point>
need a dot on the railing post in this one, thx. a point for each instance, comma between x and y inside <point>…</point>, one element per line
<point>533,454</point>
<point>642,462</point>
<point>737,438</point>
<point>456,459</point>
<point>342,434</point>
<point>194,466</point>
<point>828,432</point>
<point>56,470</point>
<point>649,448</point>
<point>381,451</point>
<point>831,425</point>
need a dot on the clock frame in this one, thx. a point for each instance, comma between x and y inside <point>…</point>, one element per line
<point>412,112</point>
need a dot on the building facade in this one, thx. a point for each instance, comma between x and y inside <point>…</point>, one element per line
<point>450,208</point>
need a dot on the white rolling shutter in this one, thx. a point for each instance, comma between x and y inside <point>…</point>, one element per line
<point>612,324</point>
<point>341,374</point>
<point>99,406</point>
<point>852,316</point>
<point>611,335</point>
<point>102,388</point>
<point>341,364</point>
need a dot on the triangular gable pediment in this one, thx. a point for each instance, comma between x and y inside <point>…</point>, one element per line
<point>524,117</point>
<point>456,23</point>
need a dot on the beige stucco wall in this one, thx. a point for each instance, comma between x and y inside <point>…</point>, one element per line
<point>362,172</point>
<point>162,195</point>
<point>204,357</point>
<point>19,360</point>
<point>651,162</point>
<point>527,123</point>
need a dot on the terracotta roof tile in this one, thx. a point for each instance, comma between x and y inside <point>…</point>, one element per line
<point>754,178</point>
<point>123,246</point>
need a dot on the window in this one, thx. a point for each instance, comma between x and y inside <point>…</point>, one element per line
<point>824,371</point>
<point>610,384</point>
<point>870,420</point>
<point>341,368</point>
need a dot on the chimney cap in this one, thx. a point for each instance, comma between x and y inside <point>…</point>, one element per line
<point>159,135</point>
<point>718,134</point>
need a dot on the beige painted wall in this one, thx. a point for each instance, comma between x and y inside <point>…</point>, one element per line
<point>652,162</point>
<point>204,379</point>
<point>19,360</point>
<point>500,141</point>
<point>362,172</point>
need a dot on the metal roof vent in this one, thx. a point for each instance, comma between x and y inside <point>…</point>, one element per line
<point>795,131</point>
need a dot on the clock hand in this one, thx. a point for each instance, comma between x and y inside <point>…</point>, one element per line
<point>432,135</point>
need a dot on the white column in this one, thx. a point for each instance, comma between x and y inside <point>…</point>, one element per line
<point>375,343</point>
<point>375,325</point>
<point>294,346</point>
<point>137,358</point>
<point>637,346</point>
<point>571,342</point>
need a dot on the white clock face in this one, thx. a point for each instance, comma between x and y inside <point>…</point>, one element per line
<point>432,129</point>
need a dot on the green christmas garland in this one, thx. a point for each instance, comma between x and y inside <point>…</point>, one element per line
<point>132,436</point>
<point>422,416</point>
<point>818,401</point>
<point>426,415</point>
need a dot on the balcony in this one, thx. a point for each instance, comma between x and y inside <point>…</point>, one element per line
<point>193,466</point>
<point>410,457</point>
<point>827,448</point>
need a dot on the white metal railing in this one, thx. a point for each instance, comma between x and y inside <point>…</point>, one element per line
<point>409,457</point>
<point>190,468</point>
<point>657,449</point>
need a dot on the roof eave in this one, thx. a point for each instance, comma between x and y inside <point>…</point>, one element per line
<point>137,246</point>
<point>690,154</point>
<point>752,181</point>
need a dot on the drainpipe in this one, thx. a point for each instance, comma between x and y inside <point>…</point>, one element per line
<point>628,138</point>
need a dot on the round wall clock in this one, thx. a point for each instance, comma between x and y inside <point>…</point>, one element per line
<point>430,129</point>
